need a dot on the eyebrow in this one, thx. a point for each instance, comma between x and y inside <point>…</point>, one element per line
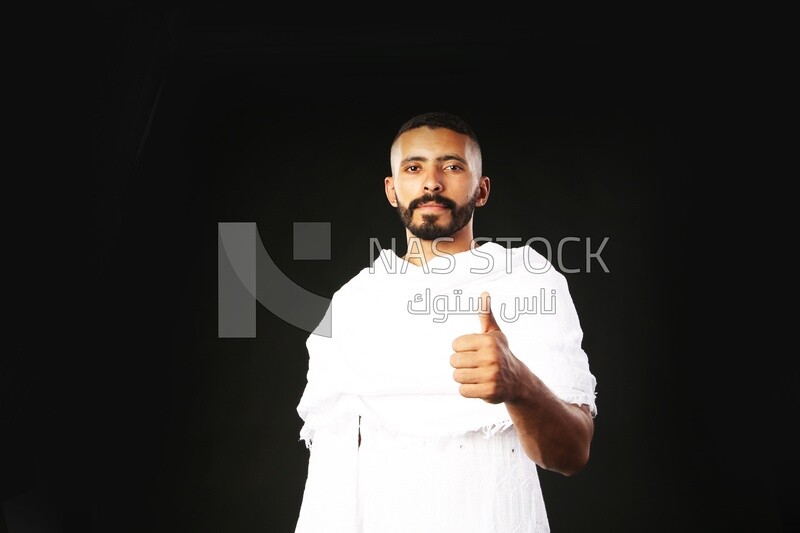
<point>445,157</point>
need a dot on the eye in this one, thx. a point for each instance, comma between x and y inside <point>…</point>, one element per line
<point>454,167</point>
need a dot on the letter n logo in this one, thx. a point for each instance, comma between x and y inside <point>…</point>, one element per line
<point>246,274</point>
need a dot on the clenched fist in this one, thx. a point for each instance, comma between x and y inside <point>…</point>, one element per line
<point>484,365</point>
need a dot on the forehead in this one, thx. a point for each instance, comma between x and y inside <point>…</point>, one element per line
<point>428,142</point>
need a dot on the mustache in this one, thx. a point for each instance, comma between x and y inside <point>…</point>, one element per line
<point>434,198</point>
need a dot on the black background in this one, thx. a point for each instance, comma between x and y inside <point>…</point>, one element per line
<point>150,124</point>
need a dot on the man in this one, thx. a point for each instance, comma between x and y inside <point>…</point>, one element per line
<point>450,373</point>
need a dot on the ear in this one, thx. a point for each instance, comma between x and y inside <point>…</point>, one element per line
<point>483,191</point>
<point>388,184</point>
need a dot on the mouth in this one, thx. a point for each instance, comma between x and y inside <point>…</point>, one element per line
<point>431,206</point>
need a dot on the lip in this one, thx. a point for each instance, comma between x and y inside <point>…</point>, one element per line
<point>431,206</point>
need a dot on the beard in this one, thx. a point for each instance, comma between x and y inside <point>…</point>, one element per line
<point>428,229</point>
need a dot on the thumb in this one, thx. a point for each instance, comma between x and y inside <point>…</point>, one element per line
<point>488,323</point>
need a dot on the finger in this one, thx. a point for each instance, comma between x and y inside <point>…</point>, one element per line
<point>484,391</point>
<point>488,323</point>
<point>469,390</point>
<point>469,342</point>
<point>469,375</point>
<point>464,360</point>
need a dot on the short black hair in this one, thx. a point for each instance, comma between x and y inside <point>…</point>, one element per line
<point>439,119</point>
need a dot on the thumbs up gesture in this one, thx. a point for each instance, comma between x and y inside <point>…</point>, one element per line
<point>483,363</point>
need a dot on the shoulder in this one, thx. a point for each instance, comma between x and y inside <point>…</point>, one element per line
<point>366,278</point>
<point>525,263</point>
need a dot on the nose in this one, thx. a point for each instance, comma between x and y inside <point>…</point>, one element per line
<point>433,181</point>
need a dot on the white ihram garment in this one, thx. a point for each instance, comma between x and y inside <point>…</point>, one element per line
<point>431,460</point>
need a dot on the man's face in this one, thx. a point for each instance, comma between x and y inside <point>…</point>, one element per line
<point>435,186</point>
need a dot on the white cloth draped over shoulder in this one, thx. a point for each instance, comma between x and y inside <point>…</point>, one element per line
<point>430,459</point>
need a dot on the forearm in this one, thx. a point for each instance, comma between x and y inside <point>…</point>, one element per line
<point>556,435</point>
